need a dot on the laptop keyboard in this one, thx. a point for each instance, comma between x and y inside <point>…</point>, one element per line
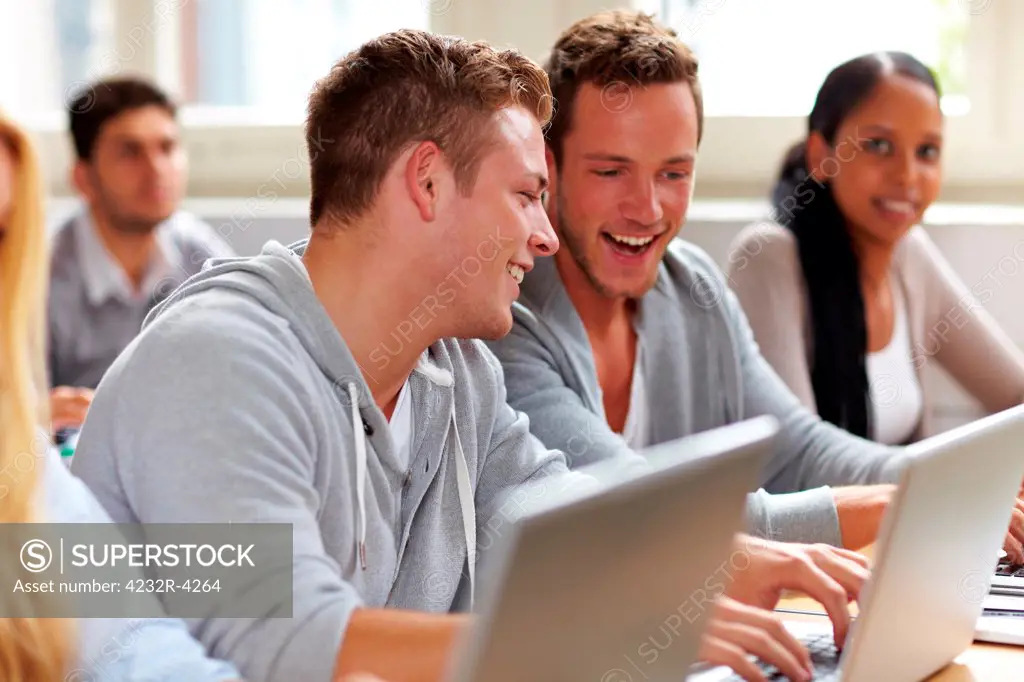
<point>824,659</point>
<point>1007,569</point>
<point>1008,578</point>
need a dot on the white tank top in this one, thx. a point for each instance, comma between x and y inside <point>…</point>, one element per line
<point>896,397</point>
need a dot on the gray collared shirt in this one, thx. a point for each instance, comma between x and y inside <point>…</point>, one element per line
<point>94,311</point>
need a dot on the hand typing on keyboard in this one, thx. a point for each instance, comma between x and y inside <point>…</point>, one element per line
<point>824,661</point>
<point>754,578</point>
<point>829,574</point>
<point>737,630</point>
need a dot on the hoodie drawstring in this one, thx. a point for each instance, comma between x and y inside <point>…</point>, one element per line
<point>360,438</point>
<point>468,508</point>
<point>465,487</point>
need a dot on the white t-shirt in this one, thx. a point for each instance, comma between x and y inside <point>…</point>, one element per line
<point>401,419</point>
<point>401,426</point>
<point>635,429</point>
<point>896,396</point>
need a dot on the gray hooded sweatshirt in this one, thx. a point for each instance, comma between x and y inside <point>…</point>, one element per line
<point>240,402</point>
<point>701,369</point>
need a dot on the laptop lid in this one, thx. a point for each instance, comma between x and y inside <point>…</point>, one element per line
<point>619,579</point>
<point>940,541</point>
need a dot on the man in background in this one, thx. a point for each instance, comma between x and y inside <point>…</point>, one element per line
<point>129,247</point>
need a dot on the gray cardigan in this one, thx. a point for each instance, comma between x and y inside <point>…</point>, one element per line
<point>948,324</point>
<point>702,370</point>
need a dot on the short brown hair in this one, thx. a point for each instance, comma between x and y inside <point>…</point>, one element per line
<point>405,87</point>
<point>95,104</point>
<point>617,46</point>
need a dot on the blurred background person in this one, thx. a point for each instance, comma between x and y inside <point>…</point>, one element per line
<point>129,247</point>
<point>848,297</point>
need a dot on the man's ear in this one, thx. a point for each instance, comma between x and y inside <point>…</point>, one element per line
<point>81,180</point>
<point>818,150</point>
<point>422,178</point>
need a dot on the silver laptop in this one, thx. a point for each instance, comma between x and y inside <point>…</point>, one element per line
<point>940,540</point>
<point>616,583</point>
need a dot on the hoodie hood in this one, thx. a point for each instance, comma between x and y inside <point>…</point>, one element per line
<point>278,280</point>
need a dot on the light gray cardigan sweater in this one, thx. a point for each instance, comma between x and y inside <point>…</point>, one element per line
<point>702,370</point>
<point>947,322</point>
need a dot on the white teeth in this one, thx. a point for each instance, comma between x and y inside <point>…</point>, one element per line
<point>897,206</point>
<point>632,241</point>
<point>517,272</point>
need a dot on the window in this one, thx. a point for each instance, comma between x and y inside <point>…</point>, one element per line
<point>769,58</point>
<point>265,55</point>
<point>762,64</point>
<point>53,47</point>
<point>244,68</point>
